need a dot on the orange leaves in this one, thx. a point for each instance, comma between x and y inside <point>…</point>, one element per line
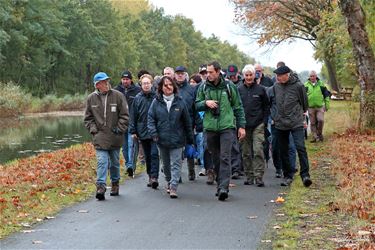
<point>355,170</point>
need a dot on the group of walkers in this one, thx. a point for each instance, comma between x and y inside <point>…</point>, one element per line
<point>225,121</point>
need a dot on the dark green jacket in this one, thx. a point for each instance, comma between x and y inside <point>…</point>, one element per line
<point>231,111</point>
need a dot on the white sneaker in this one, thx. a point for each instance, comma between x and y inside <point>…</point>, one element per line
<point>202,172</point>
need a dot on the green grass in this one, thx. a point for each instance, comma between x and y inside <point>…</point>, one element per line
<point>308,222</point>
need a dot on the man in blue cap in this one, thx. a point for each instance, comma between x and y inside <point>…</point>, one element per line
<point>106,118</point>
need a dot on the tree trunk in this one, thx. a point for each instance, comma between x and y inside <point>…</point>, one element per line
<point>364,57</point>
<point>331,73</point>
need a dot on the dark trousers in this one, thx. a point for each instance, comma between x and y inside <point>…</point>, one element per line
<point>276,155</point>
<point>236,154</point>
<point>151,152</point>
<point>217,143</point>
<point>298,135</point>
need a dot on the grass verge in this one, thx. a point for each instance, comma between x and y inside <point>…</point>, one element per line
<point>337,211</point>
<point>35,188</point>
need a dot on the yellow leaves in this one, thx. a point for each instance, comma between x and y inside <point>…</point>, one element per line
<point>279,199</point>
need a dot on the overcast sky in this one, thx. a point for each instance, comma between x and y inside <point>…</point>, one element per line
<point>216,17</point>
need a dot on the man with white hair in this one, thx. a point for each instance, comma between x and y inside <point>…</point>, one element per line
<point>257,109</point>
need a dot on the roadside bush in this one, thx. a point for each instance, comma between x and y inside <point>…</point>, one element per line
<point>13,100</point>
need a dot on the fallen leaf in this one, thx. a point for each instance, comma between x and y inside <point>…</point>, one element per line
<point>49,217</point>
<point>37,242</point>
<point>279,215</point>
<point>266,241</point>
<point>276,227</point>
<point>272,201</point>
<point>362,232</point>
<point>279,199</point>
<point>252,217</point>
<point>28,231</point>
<point>24,224</point>
<point>83,211</point>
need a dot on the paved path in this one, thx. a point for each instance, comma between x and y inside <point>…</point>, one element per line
<point>142,218</point>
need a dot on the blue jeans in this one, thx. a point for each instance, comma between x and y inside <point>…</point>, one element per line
<point>130,150</point>
<point>298,135</point>
<point>172,163</point>
<point>107,159</point>
<point>151,152</point>
<point>199,140</point>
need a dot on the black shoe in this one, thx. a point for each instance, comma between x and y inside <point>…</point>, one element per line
<point>249,181</point>
<point>154,183</point>
<point>180,180</point>
<point>278,174</point>
<point>259,182</point>
<point>222,195</point>
<point>306,181</point>
<point>235,176</point>
<point>286,182</point>
<point>130,172</point>
<point>100,191</point>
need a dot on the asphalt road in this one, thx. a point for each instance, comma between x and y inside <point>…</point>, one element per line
<point>143,218</point>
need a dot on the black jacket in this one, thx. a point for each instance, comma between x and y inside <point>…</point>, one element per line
<point>173,129</point>
<point>290,102</point>
<point>256,104</point>
<point>138,115</point>
<point>129,93</point>
<point>266,81</point>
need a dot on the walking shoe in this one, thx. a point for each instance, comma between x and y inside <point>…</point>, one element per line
<point>235,176</point>
<point>210,177</point>
<point>259,182</point>
<point>249,181</point>
<point>191,175</point>
<point>100,191</point>
<point>149,182</point>
<point>115,189</point>
<point>154,183</point>
<point>278,174</point>
<point>180,180</point>
<point>321,138</point>
<point>130,172</point>
<point>286,182</point>
<point>202,172</point>
<point>314,140</point>
<point>168,188</point>
<point>222,195</point>
<point>306,181</point>
<point>173,193</point>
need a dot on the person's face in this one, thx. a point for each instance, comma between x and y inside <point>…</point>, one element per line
<point>282,78</point>
<point>180,76</point>
<point>103,86</point>
<point>212,75</point>
<point>249,77</point>
<point>168,72</point>
<point>203,74</point>
<point>192,82</point>
<point>234,78</point>
<point>167,87</point>
<point>146,85</point>
<point>126,82</point>
<point>259,70</point>
<point>312,77</point>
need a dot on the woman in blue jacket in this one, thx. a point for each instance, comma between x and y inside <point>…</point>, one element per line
<point>170,126</point>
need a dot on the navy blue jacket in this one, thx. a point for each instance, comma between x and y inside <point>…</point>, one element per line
<point>139,113</point>
<point>255,103</point>
<point>173,129</point>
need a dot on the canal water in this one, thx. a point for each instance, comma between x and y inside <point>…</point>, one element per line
<point>29,136</point>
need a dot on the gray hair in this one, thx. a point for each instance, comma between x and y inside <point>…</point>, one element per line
<point>248,68</point>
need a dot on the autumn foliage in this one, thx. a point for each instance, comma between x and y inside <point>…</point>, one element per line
<point>355,171</point>
<point>34,187</point>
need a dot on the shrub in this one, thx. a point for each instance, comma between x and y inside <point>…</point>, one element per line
<point>13,100</point>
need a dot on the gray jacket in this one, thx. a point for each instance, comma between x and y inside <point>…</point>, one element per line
<point>107,118</point>
<point>288,103</point>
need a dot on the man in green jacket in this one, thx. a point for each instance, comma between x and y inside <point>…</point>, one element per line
<point>224,113</point>
<point>318,100</point>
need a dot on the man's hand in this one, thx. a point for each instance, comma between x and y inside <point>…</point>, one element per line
<point>211,104</point>
<point>241,133</point>
<point>134,136</point>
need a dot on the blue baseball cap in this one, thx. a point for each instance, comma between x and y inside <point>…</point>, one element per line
<point>100,77</point>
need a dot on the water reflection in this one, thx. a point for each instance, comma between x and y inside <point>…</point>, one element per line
<point>31,136</point>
